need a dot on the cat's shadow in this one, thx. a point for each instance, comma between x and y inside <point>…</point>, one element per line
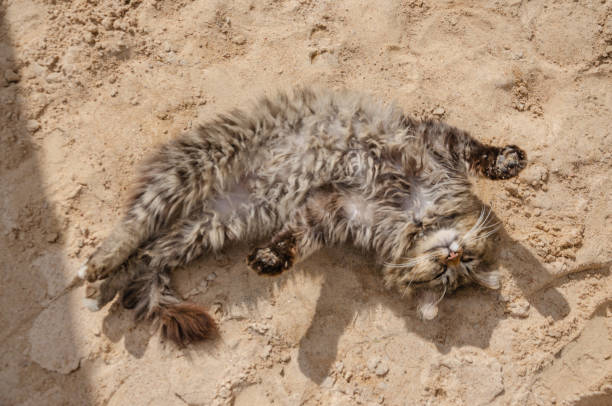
<point>467,317</point>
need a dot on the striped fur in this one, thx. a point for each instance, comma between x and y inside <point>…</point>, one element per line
<point>304,170</point>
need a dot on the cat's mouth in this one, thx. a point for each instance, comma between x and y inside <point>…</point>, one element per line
<point>454,257</point>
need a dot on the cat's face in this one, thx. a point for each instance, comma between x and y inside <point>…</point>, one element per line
<point>445,258</point>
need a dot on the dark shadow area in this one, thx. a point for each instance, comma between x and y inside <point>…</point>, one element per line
<point>31,251</point>
<point>600,399</point>
<point>461,322</point>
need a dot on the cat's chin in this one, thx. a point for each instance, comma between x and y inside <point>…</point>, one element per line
<point>91,304</point>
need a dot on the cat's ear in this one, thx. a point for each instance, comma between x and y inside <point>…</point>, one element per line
<point>427,307</point>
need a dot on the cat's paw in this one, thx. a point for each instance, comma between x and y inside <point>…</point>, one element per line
<point>93,269</point>
<point>270,261</point>
<point>509,162</point>
<point>98,294</point>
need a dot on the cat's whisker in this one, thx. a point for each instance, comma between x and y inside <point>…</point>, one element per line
<point>411,262</point>
<point>441,297</point>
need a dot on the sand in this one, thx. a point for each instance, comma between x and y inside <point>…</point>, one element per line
<point>89,88</point>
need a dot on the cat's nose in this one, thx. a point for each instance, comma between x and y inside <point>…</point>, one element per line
<point>454,257</point>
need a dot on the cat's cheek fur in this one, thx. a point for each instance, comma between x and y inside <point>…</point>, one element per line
<point>491,279</point>
<point>427,308</point>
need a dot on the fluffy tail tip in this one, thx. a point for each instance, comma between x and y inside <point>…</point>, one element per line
<point>186,323</point>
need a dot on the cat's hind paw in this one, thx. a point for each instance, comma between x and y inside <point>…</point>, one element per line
<point>91,271</point>
<point>98,294</point>
<point>509,162</point>
<point>270,261</point>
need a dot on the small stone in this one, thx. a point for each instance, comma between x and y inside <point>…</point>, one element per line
<point>89,38</point>
<point>373,363</point>
<point>439,111</point>
<point>11,76</point>
<point>239,40</point>
<point>54,77</point>
<point>519,309</point>
<point>52,237</point>
<point>211,277</point>
<point>327,382</point>
<point>114,92</point>
<point>32,125</point>
<point>382,369</point>
<point>286,357</point>
<point>259,328</point>
<point>266,352</point>
<point>107,23</point>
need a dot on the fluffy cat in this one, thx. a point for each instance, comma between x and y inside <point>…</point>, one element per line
<point>301,171</point>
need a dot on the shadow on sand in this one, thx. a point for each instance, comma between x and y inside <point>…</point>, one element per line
<point>467,317</point>
<point>31,250</point>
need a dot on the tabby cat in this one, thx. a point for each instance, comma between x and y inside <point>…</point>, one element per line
<point>298,172</point>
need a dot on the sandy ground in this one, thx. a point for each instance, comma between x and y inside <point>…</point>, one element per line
<point>88,88</point>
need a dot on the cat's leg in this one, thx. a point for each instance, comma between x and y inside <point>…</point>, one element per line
<point>463,151</point>
<point>309,230</point>
<point>171,185</point>
<point>101,292</point>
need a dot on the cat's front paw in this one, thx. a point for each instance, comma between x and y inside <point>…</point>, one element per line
<point>270,261</point>
<point>508,163</point>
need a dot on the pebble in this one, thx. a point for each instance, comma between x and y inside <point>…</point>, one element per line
<point>11,76</point>
<point>211,277</point>
<point>328,382</point>
<point>373,362</point>
<point>32,125</point>
<point>382,369</point>
<point>114,92</point>
<point>54,77</point>
<point>52,237</point>
<point>259,328</point>
<point>107,23</point>
<point>378,366</point>
<point>89,38</point>
<point>519,309</point>
<point>239,40</point>
<point>439,111</point>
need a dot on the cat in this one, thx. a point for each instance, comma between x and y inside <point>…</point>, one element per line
<point>303,170</point>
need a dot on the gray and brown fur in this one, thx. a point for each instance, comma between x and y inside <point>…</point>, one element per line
<point>303,170</point>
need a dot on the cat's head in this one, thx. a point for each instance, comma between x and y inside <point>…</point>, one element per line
<point>445,257</point>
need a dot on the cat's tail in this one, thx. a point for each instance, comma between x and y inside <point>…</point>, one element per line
<point>152,298</point>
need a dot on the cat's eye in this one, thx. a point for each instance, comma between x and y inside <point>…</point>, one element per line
<point>467,259</point>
